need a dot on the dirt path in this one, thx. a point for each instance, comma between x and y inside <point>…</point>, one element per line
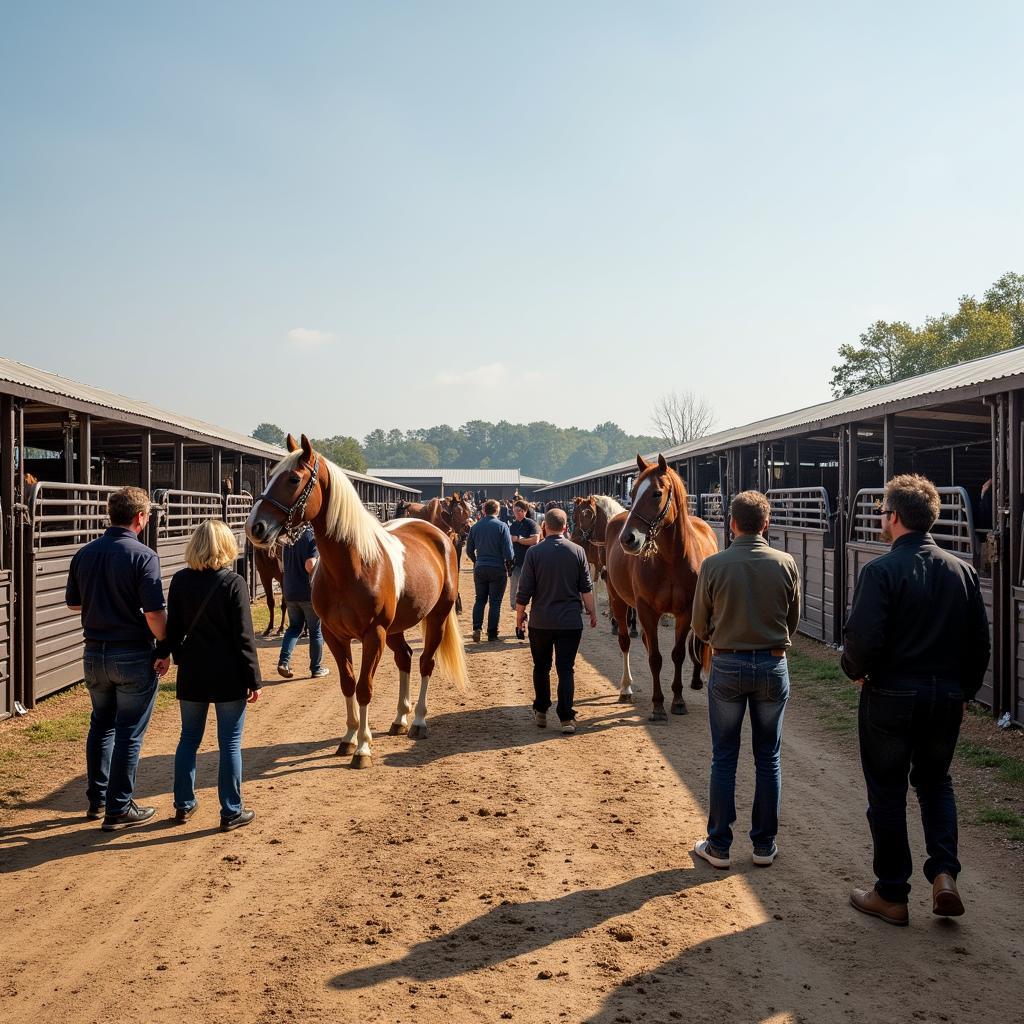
<point>490,872</point>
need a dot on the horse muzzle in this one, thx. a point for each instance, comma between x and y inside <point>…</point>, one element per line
<point>260,530</point>
<point>632,541</point>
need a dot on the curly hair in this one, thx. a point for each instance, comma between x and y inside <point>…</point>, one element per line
<point>750,509</point>
<point>914,499</point>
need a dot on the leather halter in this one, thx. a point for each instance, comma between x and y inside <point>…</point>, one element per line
<point>650,544</point>
<point>294,530</point>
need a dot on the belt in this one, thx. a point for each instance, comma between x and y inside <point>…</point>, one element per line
<point>117,645</point>
<point>775,652</point>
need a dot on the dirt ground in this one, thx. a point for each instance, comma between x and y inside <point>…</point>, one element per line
<point>489,872</point>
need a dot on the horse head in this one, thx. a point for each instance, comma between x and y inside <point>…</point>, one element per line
<point>655,505</point>
<point>293,496</point>
<point>458,514</point>
<point>585,517</point>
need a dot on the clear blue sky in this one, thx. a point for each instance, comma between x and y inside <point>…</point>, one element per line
<point>341,216</point>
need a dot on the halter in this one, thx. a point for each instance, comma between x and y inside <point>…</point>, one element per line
<point>650,544</point>
<point>294,530</point>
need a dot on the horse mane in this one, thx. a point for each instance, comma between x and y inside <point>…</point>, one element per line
<point>346,518</point>
<point>679,493</point>
<point>609,506</point>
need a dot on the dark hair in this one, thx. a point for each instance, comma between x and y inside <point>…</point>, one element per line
<point>491,507</point>
<point>750,509</point>
<point>124,505</point>
<point>552,504</point>
<point>524,505</point>
<point>914,499</point>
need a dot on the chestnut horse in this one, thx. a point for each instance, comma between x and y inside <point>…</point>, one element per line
<point>450,515</point>
<point>270,567</point>
<point>654,554</point>
<point>371,584</point>
<point>592,516</point>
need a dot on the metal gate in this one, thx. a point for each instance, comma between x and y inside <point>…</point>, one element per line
<point>236,511</point>
<point>6,631</point>
<point>801,521</point>
<point>712,510</point>
<point>61,518</point>
<point>953,530</point>
<point>178,515</point>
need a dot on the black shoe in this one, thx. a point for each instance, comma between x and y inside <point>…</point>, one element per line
<point>135,815</point>
<point>184,813</point>
<point>94,813</point>
<point>520,634</point>
<point>491,637</point>
<point>243,817</point>
<point>285,670</point>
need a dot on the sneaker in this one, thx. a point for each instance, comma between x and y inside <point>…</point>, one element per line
<point>319,673</point>
<point>184,813</point>
<point>540,719</point>
<point>568,728</point>
<point>520,634</point>
<point>243,817</point>
<point>707,852</point>
<point>476,636</point>
<point>285,670</point>
<point>492,638</point>
<point>135,815</point>
<point>763,857</point>
<point>94,813</point>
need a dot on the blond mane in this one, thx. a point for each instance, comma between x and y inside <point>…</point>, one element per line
<point>609,505</point>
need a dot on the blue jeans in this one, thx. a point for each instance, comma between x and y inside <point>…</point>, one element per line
<point>122,686</point>
<point>230,719</point>
<point>761,681</point>
<point>909,729</point>
<point>301,613</point>
<point>490,583</point>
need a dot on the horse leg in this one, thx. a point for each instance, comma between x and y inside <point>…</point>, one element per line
<point>433,631</point>
<point>342,651</point>
<point>458,562</point>
<point>679,649</point>
<point>649,621</point>
<point>696,648</point>
<point>632,623</point>
<point>403,659</point>
<point>619,611</point>
<point>268,592</point>
<point>373,641</point>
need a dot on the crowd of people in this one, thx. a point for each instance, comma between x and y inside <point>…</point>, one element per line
<point>916,642</point>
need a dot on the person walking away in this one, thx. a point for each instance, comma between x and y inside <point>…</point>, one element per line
<point>114,581</point>
<point>917,643</point>
<point>210,635</point>
<point>555,579</point>
<point>300,560</point>
<point>525,533</point>
<point>489,548</point>
<point>747,606</point>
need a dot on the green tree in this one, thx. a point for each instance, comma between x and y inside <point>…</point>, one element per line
<point>269,433</point>
<point>887,352</point>
<point>343,451</point>
<point>1007,296</point>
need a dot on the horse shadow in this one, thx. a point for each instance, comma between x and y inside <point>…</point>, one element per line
<point>515,929</point>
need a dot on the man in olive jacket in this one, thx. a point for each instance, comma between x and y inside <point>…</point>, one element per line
<point>917,642</point>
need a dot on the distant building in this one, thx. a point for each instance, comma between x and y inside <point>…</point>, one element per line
<point>438,483</point>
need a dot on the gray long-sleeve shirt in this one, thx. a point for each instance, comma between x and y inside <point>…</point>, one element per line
<point>554,575</point>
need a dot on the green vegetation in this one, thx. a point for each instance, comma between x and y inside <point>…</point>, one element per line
<point>66,729</point>
<point>821,681</point>
<point>1011,769</point>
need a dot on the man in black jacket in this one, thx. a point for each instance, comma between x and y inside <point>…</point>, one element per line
<point>917,642</point>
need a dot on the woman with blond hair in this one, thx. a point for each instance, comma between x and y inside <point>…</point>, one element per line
<point>210,635</point>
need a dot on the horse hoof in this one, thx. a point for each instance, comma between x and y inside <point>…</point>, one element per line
<point>362,761</point>
<point>417,732</point>
<point>397,729</point>
<point>697,684</point>
<point>633,633</point>
<point>625,698</point>
<point>679,708</point>
<point>658,715</point>
<point>345,750</point>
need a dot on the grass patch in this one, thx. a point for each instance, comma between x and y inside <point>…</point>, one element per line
<point>166,695</point>
<point>1011,769</point>
<point>66,729</point>
<point>820,681</point>
<point>997,816</point>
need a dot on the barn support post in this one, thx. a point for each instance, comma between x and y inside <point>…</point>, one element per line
<point>840,532</point>
<point>791,474</point>
<point>68,428</point>
<point>146,462</point>
<point>762,468</point>
<point>179,465</point>
<point>1009,683</point>
<point>1001,575</point>
<point>238,473</point>
<point>888,447</point>
<point>216,471</point>
<point>85,449</point>
<point>7,443</point>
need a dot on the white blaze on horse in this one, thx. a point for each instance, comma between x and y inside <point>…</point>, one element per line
<point>372,583</point>
<point>654,555</point>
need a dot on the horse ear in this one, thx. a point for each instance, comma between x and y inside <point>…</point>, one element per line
<point>293,445</point>
<point>662,464</point>
<point>641,463</point>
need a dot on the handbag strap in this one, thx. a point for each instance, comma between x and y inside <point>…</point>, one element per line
<point>202,607</point>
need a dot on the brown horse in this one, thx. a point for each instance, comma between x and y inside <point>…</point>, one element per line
<point>451,516</point>
<point>592,515</point>
<point>372,583</point>
<point>654,555</point>
<point>270,567</point>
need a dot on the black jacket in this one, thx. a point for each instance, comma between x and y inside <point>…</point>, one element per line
<point>217,662</point>
<point>917,613</point>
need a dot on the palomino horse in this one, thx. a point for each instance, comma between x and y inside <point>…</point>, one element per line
<point>270,567</point>
<point>372,583</point>
<point>450,515</point>
<point>654,555</point>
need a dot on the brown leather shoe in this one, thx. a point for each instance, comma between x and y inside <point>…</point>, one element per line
<point>867,901</point>
<point>946,900</point>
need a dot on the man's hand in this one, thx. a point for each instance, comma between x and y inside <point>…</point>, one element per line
<point>161,665</point>
<point>859,683</point>
<point>254,695</point>
<point>593,620</point>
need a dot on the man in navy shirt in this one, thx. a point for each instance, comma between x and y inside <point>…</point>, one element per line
<point>300,560</point>
<point>525,533</point>
<point>115,582</point>
<point>489,548</point>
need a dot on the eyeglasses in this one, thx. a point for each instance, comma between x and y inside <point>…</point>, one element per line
<point>888,512</point>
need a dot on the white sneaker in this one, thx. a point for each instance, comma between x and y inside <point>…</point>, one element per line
<point>764,860</point>
<point>569,727</point>
<point>704,851</point>
<point>540,719</point>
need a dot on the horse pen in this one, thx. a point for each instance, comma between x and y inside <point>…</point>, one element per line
<point>492,871</point>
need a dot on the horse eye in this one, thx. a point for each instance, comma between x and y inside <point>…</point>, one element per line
<point>295,478</point>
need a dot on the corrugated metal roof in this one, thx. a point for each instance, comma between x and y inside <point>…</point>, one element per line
<point>27,376</point>
<point>473,477</point>
<point>974,372</point>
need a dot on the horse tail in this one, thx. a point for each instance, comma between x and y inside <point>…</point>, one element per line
<point>450,655</point>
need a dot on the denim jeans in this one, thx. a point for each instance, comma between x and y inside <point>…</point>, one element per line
<point>490,583</point>
<point>563,644</point>
<point>301,613</point>
<point>122,686</point>
<point>909,730</point>
<point>760,681</point>
<point>230,719</point>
